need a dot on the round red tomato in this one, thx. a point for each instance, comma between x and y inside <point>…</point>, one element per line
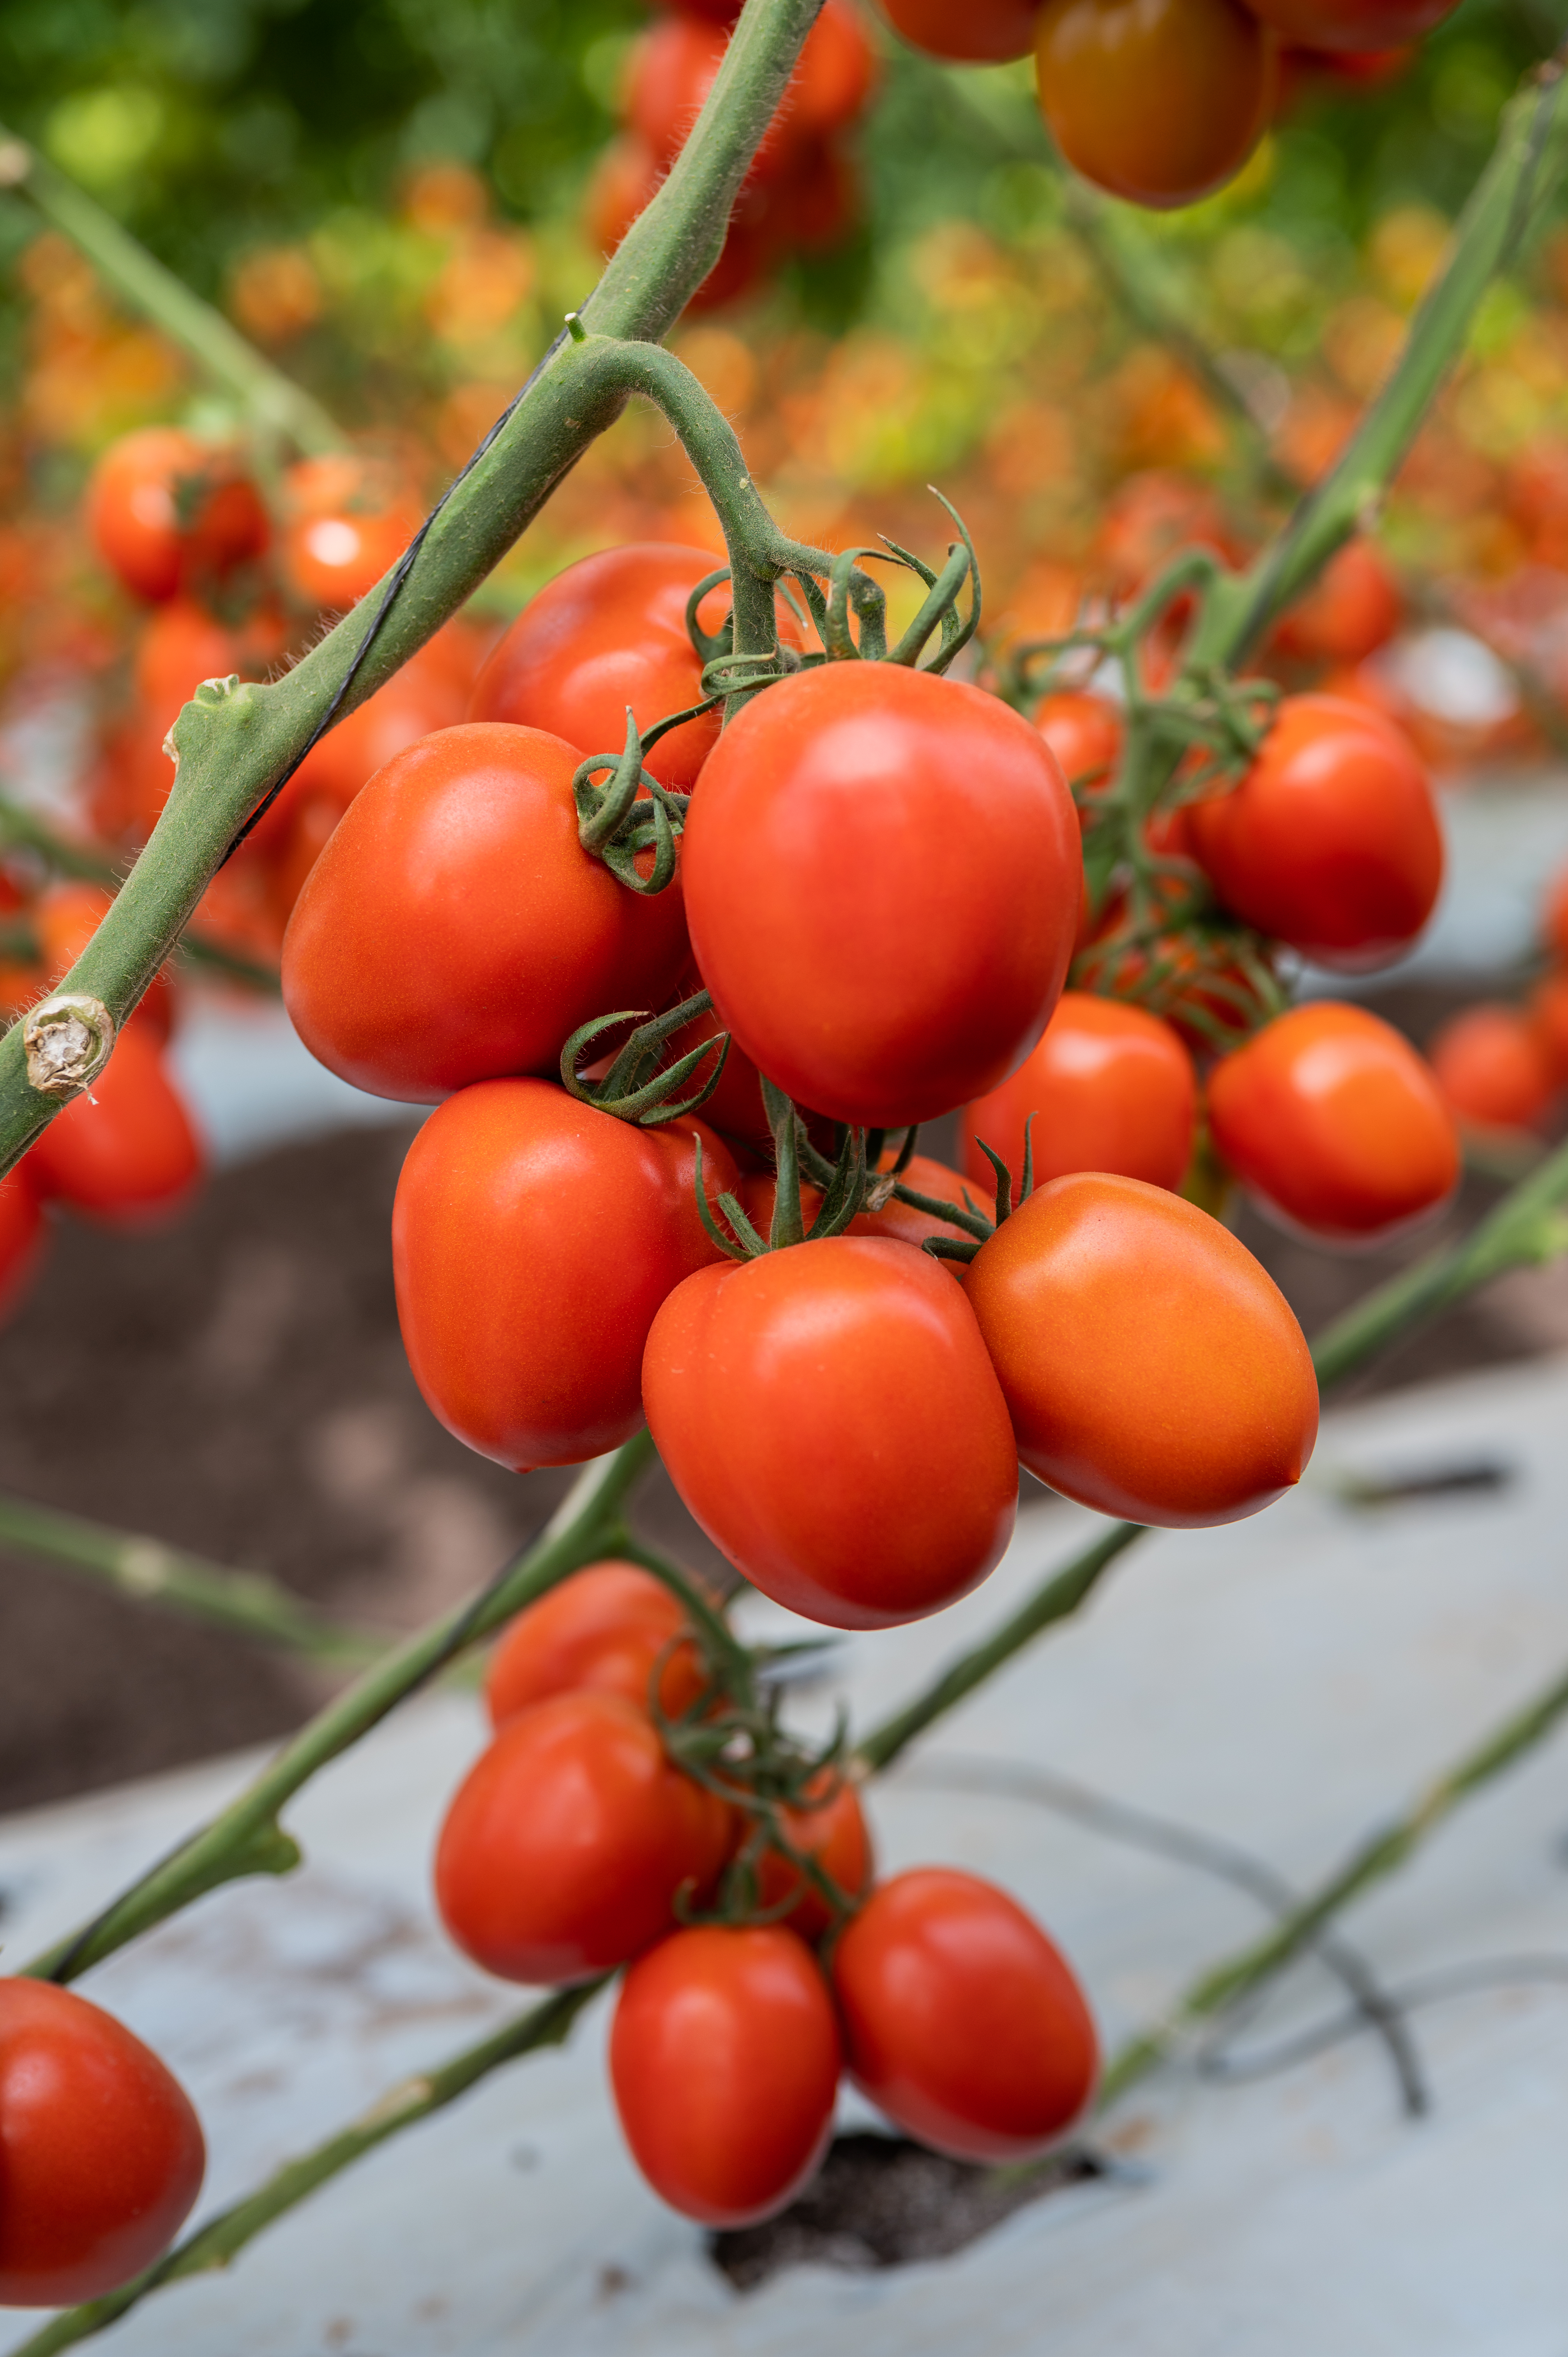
<point>127,1153</point>
<point>829,1826</point>
<point>1331,842</point>
<point>674,65</point>
<point>1152,1366</point>
<point>609,1627</point>
<point>21,1238</point>
<point>724,2063</point>
<point>1352,609</point>
<point>1113,1089</point>
<point>1494,1067</point>
<point>567,1841</point>
<point>962,2021</point>
<point>992,32</point>
<point>534,1239</point>
<point>1335,1124</point>
<point>1352,24</point>
<point>453,928</point>
<point>349,520</point>
<point>610,632</point>
<point>882,874</point>
<point>100,2154</point>
<point>1156,101</point>
<point>164,508</point>
<point>1084,732</point>
<point>858,1358</point>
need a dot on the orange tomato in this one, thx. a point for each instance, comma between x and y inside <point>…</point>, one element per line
<point>830,1827</point>
<point>1494,1068</point>
<point>1549,1013</point>
<point>348,520</point>
<point>1113,1089</point>
<point>164,510</point>
<point>1352,609</point>
<point>607,1627</point>
<point>127,1154</point>
<point>988,32</point>
<point>1157,101</point>
<point>1084,732</point>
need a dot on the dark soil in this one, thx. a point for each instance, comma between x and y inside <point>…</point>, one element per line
<point>880,2202</point>
<point>236,1386</point>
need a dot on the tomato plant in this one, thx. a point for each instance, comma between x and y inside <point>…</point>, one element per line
<point>1111,1088</point>
<point>612,1627</point>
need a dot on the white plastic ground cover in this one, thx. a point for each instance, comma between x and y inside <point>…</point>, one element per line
<point>1282,1685</point>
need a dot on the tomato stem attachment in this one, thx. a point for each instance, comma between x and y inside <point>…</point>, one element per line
<point>635,1087</point>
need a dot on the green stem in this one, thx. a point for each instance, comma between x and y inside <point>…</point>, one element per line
<point>246,1838</point>
<point>1382,1853</point>
<point>142,1569</point>
<point>273,401</point>
<point>234,743</point>
<point>218,2243</point>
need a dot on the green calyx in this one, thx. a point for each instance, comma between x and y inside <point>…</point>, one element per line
<point>631,813</point>
<point>639,1087</point>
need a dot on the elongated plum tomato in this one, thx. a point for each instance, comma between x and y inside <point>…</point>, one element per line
<point>1152,1366</point>
<point>1331,842</point>
<point>1112,1088</point>
<point>883,877</point>
<point>725,2062</point>
<point>962,2021</point>
<point>608,1626</point>
<point>21,1238</point>
<point>858,1358</point>
<point>830,1827</point>
<point>100,2154</point>
<point>455,929</point>
<point>1157,101</point>
<point>533,1241</point>
<point>1335,1124</point>
<point>608,632</point>
<point>568,1839</point>
<point>127,1154</point>
<point>1357,24</point>
<point>990,32</point>
<point>1494,1067</point>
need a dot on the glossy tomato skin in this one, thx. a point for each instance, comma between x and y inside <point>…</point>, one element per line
<point>530,1348</point>
<point>609,1627</point>
<point>992,32</point>
<point>453,928</point>
<point>1084,732</point>
<point>565,1844</point>
<point>858,1357</point>
<point>1494,1067</point>
<point>961,2020</point>
<point>1111,1088</point>
<point>100,2154</point>
<point>1353,24</point>
<point>1157,101</point>
<point>126,1155</point>
<point>830,1827</point>
<point>164,508</point>
<point>22,1238</point>
<point>1335,1124</point>
<point>1153,1370</point>
<point>1331,842</point>
<point>608,632</point>
<point>725,2062</point>
<point>847,815</point>
<point>1352,609</point>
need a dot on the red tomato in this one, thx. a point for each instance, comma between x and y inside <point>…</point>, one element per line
<point>1549,1013</point>
<point>882,876</point>
<point>65,918</point>
<point>711,12</point>
<point>1554,916</point>
<point>1352,609</point>
<point>1151,518</point>
<point>311,825</point>
<point>21,1239</point>
<point>1152,1366</point>
<point>858,1358</point>
<point>724,2063</point>
<point>1084,732</point>
<point>454,927</point>
<point>1334,1123</point>
<point>349,520</point>
<point>126,1154</point>
<point>1331,842</point>
<point>674,67</point>
<point>832,1830</point>
<point>990,32</point>
<point>608,1626</point>
<point>1494,1068</point>
<point>528,1344</point>
<point>623,183</point>
<point>567,1841</point>
<point>1353,24</point>
<point>608,632</point>
<point>181,645</point>
<point>164,508</point>
<point>100,2154</point>
<point>962,2021</point>
<point>1157,101</point>
<point>1113,1088</point>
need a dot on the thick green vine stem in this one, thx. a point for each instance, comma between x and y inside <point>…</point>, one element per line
<point>235,742</point>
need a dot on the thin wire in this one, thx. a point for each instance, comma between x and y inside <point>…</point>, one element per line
<point>1426,1989</point>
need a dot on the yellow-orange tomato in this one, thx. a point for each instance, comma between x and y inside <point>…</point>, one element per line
<point>607,1627</point>
<point>1493,1067</point>
<point>1157,101</point>
<point>1113,1089</point>
<point>1333,1121</point>
<point>1151,1367</point>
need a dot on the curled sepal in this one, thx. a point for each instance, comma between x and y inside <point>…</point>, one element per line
<point>730,674</point>
<point>745,1243</point>
<point>789,1226</point>
<point>842,1198</point>
<point>940,608</point>
<point>846,586</point>
<point>936,1207</point>
<point>706,644</point>
<point>621,856</point>
<point>602,810</point>
<point>635,1089</point>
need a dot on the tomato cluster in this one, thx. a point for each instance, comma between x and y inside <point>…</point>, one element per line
<point>761,1960</point>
